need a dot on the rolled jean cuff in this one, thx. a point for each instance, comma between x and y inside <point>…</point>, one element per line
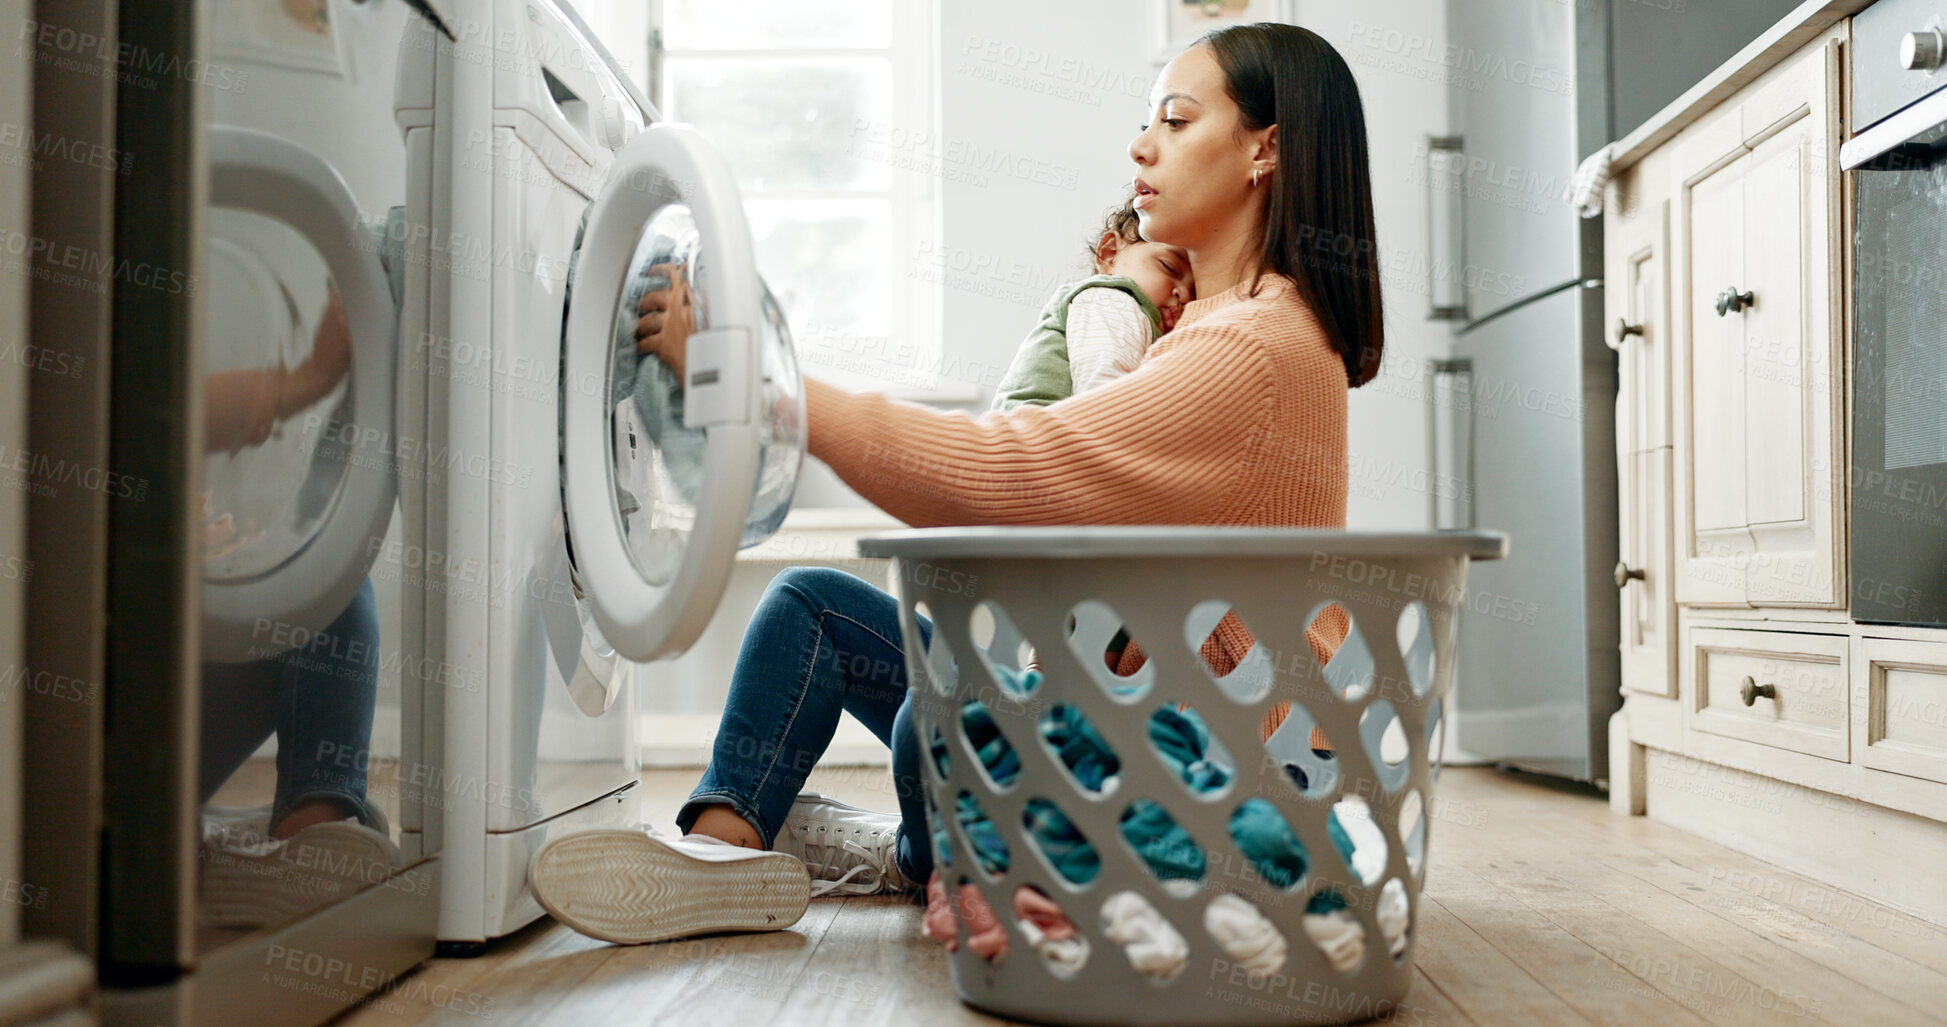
<point>367,814</point>
<point>694,805</point>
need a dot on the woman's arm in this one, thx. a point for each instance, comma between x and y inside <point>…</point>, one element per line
<point>241,407</point>
<point>1174,442</point>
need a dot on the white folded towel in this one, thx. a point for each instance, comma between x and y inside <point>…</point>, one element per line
<point>1585,190</point>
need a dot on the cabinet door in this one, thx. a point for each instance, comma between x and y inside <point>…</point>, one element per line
<point>1757,470</point>
<point>1714,542</point>
<point>1636,325</point>
<point>1648,610</point>
<point>1791,348</point>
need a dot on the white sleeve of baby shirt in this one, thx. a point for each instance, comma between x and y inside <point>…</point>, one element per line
<point>1108,333</point>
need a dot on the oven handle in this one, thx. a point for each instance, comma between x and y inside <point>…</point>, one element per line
<point>1924,122</point>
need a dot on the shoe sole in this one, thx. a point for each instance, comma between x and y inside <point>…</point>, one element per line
<point>629,888</point>
<point>316,867</point>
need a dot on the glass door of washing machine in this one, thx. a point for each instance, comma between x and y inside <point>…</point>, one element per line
<point>311,680</point>
<point>691,450</point>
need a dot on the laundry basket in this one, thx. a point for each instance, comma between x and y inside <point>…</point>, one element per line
<point>1187,822</point>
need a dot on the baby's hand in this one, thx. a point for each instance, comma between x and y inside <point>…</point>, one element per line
<point>1171,313</point>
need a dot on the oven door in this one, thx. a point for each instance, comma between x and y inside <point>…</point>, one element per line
<point>1899,384</point>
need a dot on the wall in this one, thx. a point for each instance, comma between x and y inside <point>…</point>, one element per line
<point>1404,104</point>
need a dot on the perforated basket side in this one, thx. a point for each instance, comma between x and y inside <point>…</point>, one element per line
<point>1165,603</point>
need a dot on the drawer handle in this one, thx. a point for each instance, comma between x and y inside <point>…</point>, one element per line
<point>1752,690</point>
<point>1626,574</point>
<point>1624,330</point>
<point>1732,300</point>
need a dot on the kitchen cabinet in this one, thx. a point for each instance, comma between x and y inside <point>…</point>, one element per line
<point>1756,711</point>
<point>1757,333</point>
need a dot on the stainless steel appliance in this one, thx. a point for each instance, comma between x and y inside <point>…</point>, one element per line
<point>1898,158</point>
<point>1523,412</point>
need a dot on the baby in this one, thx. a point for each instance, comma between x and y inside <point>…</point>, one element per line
<point>1096,330</point>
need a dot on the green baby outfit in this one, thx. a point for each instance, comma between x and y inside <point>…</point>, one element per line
<point>1040,373</point>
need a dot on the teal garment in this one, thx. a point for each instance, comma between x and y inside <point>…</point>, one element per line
<point>1082,751</point>
<point>1039,373</point>
<point>1183,740</point>
<point>391,244</point>
<point>642,379</point>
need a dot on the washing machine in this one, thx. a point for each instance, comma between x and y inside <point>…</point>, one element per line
<point>583,505</point>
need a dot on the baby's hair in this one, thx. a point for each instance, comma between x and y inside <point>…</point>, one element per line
<point>1120,220</point>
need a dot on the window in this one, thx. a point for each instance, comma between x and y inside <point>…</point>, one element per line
<point>793,92</point>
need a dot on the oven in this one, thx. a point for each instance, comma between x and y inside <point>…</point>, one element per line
<point>1898,162</point>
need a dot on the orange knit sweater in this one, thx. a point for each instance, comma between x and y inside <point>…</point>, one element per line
<point>1237,417</point>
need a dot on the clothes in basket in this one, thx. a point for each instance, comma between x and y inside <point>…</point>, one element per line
<point>1261,834</point>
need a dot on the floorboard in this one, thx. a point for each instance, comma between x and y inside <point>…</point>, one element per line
<point>1541,907</point>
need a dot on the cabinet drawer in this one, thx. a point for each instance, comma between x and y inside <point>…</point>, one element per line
<point>1805,678</point>
<point>1906,707</point>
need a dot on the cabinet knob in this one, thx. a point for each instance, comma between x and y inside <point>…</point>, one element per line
<point>1732,300</point>
<point>1922,51</point>
<point>1626,574</point>
<point>1624,329</point>
<point>1752,690</point>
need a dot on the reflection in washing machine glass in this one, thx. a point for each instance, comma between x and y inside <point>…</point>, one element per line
<point>278,357</point>
<point>278,387</point>
<point>657,463</point>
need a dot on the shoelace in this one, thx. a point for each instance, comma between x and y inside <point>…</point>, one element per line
<point>867,876</point>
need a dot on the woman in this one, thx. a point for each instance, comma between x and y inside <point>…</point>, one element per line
<point>1254,161</point>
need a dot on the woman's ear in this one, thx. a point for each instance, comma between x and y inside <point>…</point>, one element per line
<point>1263,151</point>
<point>1106,249</point>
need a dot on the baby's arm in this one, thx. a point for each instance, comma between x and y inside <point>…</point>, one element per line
<point>1108,333</point>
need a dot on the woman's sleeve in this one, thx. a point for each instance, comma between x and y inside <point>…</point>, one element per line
<point>1176,441</point>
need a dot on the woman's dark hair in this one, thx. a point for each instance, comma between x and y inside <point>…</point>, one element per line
<point>1318,226</point>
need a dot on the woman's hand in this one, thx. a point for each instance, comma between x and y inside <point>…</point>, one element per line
<point>666,318</point>
<point>328,364</point>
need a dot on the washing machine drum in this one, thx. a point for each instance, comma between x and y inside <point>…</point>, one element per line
<point>680,448</point>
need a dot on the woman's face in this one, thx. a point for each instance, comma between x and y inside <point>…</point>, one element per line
<point>1193,175</point>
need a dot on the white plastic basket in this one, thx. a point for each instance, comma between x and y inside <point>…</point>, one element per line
<point>1000,597</point>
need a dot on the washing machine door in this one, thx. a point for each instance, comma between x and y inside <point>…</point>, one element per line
<point>299,364</point>
<point>663,477</point>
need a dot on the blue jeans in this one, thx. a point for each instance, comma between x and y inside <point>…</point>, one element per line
<point>318,699</point>
<point>821,642</point>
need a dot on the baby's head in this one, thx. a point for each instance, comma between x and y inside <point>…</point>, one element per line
<point>1162,272</point>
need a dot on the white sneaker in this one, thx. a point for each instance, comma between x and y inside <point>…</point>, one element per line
<point>252,880</point>
<point>847,850</point>
<point>629,886</point>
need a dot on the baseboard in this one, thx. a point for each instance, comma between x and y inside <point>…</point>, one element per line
<point>684,740</point>
<point>1842,843</point>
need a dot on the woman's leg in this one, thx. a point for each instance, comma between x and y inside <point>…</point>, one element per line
<point>822,642</point>
<point>325,702</point>
<point>915,855</point>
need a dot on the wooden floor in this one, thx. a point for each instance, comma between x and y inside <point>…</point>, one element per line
<point>1543,908</point>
